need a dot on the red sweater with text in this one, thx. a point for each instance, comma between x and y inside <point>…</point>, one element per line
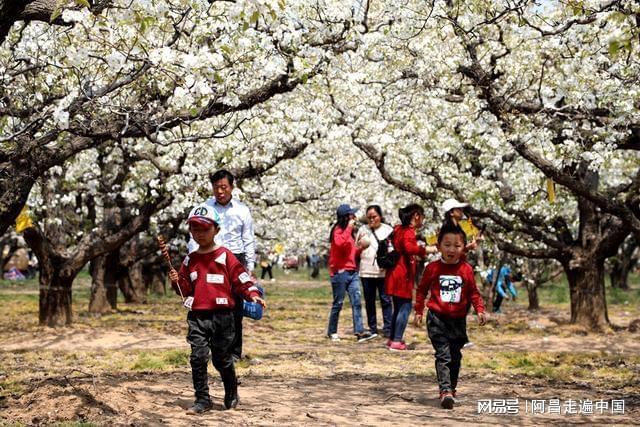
<point>213,278</point>
<point>343,250</point>
<point>452,287</point>
<point>399,280</point>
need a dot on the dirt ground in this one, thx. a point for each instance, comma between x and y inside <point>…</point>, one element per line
<point>294,376</point>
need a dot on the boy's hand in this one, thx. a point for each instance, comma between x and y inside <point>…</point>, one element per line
<point>173,275</point>
<point>259,301</point>
<point>482,318</point>
<point>417,319</point>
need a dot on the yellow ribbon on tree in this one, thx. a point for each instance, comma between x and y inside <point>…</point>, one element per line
<point>23,221</point>
<point>551,190</point>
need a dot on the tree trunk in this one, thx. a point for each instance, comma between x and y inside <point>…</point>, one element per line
<point>619,276</point>
<point>55,296</point>
<point>137,282</point>
<point>623,263</point>
<point>532,291</point>
<point>156,279</point>
<point>104,289</point>
<point>586,288</point>
<point>132,286</point>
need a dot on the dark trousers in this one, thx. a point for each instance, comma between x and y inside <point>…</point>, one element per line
<point>371,286</point>
<point>447,336</point>
<point>497,302</point>
<point>265,271</point>
<point>400,317</point>
<point>236,347</point>
<point>210,335</point>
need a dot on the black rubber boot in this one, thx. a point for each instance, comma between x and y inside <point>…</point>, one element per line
<point>230,382</point>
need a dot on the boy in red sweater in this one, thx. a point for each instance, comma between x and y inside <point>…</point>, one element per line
<point>452,286</point>
<point>209,278</point>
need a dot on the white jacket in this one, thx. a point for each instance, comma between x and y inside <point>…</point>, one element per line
<point>368,265</point>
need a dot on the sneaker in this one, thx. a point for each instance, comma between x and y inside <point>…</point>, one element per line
<point>365,336</point>
<point>397,346</point>
<point>446,399</point>
<point>200,407</point>
<point>468,344</point>
<point>388,344</point>
<point>334,337</point>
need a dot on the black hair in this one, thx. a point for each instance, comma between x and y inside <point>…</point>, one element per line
<point>450,228</point>
<point>341,221</point>
<point>408,211</point>
<point>376,208</point>
<point>221,174</point>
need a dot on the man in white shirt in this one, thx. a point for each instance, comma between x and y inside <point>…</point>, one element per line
<point>236,234</point>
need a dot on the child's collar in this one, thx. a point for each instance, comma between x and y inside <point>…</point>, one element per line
<point>213,249</point>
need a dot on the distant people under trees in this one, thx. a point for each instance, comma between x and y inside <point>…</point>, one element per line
<point>344,274</point>
<point>399,280</point>
<point>454,214</point>
<point>371,274</point>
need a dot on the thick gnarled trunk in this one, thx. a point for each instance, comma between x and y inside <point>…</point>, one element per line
<point>532,292</point>
<point>55,293</point>
<point>586,289</point>
<point>104,289</point>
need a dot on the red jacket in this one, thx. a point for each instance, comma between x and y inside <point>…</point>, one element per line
<point>213,278</point>
<point>400,279</point>
<point>453,288</point>
<point>343,251</point>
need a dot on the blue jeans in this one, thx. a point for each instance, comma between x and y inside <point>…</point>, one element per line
<point>343,283</point>
<point>370,285</point>
<point>401,312</point>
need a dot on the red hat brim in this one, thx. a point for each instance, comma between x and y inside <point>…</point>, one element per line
<point>201,221</point>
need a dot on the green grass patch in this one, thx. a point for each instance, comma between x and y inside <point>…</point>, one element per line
<point>161,360</point>
<point>601,370</point>
<point>10,388</point>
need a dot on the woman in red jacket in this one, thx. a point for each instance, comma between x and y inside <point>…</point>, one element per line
<point>344,273</point>
<point>399,280</point>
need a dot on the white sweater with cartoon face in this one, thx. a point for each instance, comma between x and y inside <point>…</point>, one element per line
<point>368,265</point>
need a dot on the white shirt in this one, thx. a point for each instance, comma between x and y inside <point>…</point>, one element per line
<point>368,265</point>
<point>236,230</point>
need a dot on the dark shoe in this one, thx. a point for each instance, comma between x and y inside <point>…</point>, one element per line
<point>446,400</point>
<point>230,382</point>
<point>200,407</point>
<point>365,336</point>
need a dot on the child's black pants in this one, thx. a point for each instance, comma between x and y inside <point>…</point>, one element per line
<point>211,334</point>
<point>447,336</point>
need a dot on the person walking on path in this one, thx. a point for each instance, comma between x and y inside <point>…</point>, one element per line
<point>210,277</point>
<point>451,284</point>
<point>371,274</point>
<point>236,234</point>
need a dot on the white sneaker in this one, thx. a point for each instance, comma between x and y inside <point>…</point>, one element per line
<point>334,337</point>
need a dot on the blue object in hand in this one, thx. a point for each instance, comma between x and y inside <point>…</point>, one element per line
<point>253,310</point>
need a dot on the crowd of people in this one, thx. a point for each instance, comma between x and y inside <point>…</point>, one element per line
<point>385,259</point>
<point>217,277</point>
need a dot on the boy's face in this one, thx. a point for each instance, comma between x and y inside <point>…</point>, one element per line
<point>451,247</point>
<point>203,234</point>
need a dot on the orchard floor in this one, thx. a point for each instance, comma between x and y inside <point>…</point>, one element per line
<point>131,367</point>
